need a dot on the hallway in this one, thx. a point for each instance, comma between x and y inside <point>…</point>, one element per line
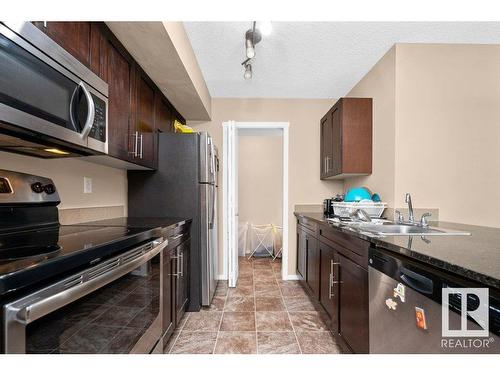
<point>262,315</point>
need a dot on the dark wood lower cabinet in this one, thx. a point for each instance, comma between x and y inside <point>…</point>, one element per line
<point>336,276</point>
<point>328,296</point>
<point>175,285</point>
<point>313,265</point>
<point>181,300</point>
<point>353,304</point>
<point>168,286</point>
<point>301,253</point>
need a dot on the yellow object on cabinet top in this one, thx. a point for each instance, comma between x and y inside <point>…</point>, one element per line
<point>179,128</point>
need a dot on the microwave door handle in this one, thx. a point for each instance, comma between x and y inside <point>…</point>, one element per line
<point>71,108</point>
<point>91,111</point>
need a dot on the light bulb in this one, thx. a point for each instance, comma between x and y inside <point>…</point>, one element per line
<point>250,48</point>
<point>266,28</point>
<point>248,71</point>
<point>250,52</point>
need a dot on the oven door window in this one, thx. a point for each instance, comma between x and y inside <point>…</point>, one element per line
<point>32,86</point>
<point>119,318</point>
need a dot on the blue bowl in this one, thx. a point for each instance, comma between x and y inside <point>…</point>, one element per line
<point>357,194</point>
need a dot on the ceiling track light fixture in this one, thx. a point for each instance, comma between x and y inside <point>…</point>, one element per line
<point>252,37</point>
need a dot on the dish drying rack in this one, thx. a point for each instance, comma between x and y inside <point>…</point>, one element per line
<point>373,209</point>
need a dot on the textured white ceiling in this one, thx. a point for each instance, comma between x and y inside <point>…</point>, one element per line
<point>313,59</point>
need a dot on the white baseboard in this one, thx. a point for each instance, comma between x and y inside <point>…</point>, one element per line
<point>222,277</point>
<point>293,277</point>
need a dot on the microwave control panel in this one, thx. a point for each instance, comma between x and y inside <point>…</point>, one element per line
<point>98,130</point>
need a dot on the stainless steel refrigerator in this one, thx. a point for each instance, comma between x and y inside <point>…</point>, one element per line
<point>184,185</point>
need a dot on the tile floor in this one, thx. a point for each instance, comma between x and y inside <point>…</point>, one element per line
<point>262,315</point>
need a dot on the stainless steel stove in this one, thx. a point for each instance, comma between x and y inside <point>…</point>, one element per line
<point>77,288</point>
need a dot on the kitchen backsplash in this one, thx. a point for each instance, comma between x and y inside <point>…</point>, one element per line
<point>79,215</point>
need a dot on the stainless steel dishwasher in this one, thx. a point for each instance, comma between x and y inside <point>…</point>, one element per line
<point>407,315</point>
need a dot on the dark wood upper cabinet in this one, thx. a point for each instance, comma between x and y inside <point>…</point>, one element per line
<point>144,133</point>
<point>98,51</point>
<point>120,74</point>
<point>163,115</point>
<point>74,37</point>
<point>137,109</point>
<point>346,139</point>
<point>326,142</point>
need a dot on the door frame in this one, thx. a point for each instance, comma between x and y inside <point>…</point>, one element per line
<point>229,231</point>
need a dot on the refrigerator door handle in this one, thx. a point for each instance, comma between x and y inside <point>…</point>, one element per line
<point>212,213</point>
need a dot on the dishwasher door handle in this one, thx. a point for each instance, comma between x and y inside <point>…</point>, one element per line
<point>416,281</point>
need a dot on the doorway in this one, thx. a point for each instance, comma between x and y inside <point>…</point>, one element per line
<point>231,214</point>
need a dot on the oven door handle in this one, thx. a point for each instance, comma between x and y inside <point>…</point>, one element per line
<point>45,301</point>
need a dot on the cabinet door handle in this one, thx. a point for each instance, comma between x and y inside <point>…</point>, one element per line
<point>181,268</point>
<point>136,144</point>
<point>330,287</point>
<point>330,284</point>
<point>332,263</point>
<point>178,271</point>
<point>176,274</point>
<point>140,153</point>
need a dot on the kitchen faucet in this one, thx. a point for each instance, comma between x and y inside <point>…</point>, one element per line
<point>411,217</point>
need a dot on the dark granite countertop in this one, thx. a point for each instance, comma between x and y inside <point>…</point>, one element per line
<point>476,257</point>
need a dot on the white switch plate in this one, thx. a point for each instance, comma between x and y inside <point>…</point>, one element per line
<point>87,185</point>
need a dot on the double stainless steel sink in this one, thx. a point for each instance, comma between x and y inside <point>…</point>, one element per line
<point>377,227</point>
<point>396,229</point>
<point>392,229</point>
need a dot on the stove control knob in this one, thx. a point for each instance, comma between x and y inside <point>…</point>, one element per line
<point>49,189</point>
<point>37,187</point>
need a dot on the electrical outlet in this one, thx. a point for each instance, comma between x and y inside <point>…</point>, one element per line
<point>87,185</point>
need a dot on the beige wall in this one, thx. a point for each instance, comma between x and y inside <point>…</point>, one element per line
<point>109,185</point>
<point>260,177</point>
<point>303,116</point>
<point>448,130</point>
<point>379,84</point>
<point>436,130</point>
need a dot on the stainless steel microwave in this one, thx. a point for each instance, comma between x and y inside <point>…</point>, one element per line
<point>51,105</point>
